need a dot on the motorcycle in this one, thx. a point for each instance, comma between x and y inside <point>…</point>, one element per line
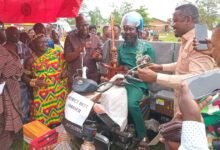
<point>99,126</point>
<point>102,127</point>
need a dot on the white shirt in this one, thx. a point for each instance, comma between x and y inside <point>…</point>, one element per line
<point>193,136</point>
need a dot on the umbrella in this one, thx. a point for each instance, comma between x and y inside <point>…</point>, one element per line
<point>33,11</point>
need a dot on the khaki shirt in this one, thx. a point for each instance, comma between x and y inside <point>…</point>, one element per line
<point>189,63</point>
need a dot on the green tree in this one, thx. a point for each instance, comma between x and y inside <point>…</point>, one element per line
<point>83,7</point>
<point>117,16</point>
<point>143,11</point>
<point>217,20</point>
<point>95,17</point>
<point>118,12</point>
<point>125,8</point>
<point>208,10</point>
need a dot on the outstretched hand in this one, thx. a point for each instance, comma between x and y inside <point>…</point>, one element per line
<point>189,108</point>
<point>189,111</point>
<point>156,67</point>
<point>147,75</point>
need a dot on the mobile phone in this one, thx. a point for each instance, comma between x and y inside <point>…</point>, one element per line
<point>201,31</point>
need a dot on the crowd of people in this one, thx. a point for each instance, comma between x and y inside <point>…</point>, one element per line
<point>37,71</point>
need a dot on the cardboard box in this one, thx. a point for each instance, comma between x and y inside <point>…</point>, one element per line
<point>34,129</point>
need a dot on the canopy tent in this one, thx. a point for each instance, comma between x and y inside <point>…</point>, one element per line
<point>33,11</point>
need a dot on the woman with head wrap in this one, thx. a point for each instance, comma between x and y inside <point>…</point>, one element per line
<point>46,71</point>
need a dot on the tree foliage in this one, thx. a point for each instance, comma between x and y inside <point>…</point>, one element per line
<point>117,16</point>
<point>143,11</point>
<point>119,12</point>
<point>96,17</point>
<point>208,10</point>
<point>126,7</point>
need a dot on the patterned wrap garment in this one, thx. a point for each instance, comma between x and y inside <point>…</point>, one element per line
<point>10,99</point>
<point>48,103</point>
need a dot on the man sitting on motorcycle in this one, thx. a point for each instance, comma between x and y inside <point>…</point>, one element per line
<point>129,52</point>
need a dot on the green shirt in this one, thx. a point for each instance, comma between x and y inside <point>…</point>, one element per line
<point>127,56</point>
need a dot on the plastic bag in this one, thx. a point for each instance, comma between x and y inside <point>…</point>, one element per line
<point>116,105</point>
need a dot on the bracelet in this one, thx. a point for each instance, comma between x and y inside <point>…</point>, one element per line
<point>32,82</point>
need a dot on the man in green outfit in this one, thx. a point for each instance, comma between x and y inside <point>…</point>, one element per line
<point>128,53</point>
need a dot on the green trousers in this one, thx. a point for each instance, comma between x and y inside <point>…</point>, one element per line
<point>135,95</point>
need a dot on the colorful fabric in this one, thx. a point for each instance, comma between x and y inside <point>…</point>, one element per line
<point>58,47</point>
<point>48,103</point>
<point>211,114</point>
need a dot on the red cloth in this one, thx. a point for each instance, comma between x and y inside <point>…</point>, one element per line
<point>33,11</point>
<point>70,8</point>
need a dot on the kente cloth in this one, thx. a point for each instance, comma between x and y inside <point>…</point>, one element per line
<point>48,102</point>
<point>10,99</point>
<point>211,114</point>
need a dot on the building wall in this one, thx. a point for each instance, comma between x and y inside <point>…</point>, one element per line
<point>159,26</point>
